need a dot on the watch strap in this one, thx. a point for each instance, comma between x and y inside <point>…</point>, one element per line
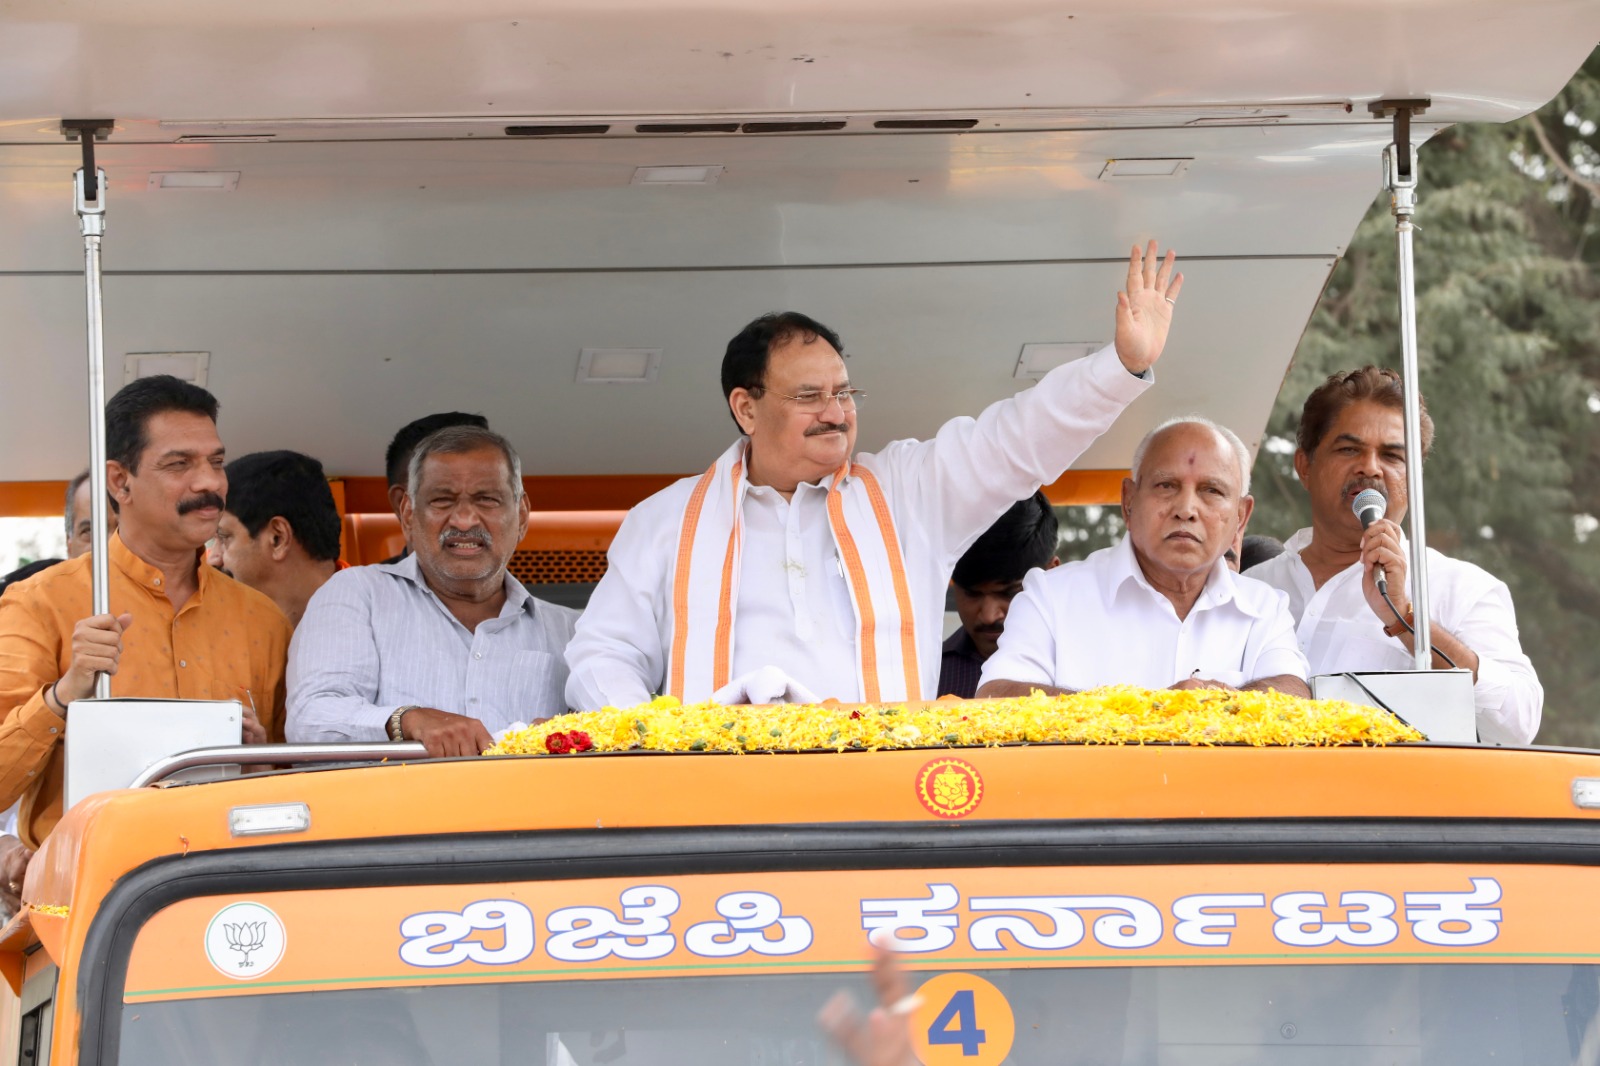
<point>394,730</point>
<point>1397,627</point>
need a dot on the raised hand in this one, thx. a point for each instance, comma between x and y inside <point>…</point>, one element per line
<point>1144,311</point>
<point>882,1037</point>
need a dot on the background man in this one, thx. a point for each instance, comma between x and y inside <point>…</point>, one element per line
<point>79,527</point>
<point>1252,550</point>
<point>985,581</point>
<point>1161,609</point>
<point>445,646</point>
<point>280,531</point>
<point>790,569</point>
<point>1352,437</point>
<point>397,458</point>
<point>78,532</point>
<point>177,629</point>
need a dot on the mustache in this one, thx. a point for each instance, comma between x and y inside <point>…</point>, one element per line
<point>1361,483</point>
<point>476,535</point>
<point>196,503</point>
<point>989,631</point>
<point>827,427</point>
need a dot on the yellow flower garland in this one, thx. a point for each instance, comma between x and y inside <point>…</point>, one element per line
<point>1119,714</point>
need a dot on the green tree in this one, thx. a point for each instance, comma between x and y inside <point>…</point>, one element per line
<point>1508,273</point>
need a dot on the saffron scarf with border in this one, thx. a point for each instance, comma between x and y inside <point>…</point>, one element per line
<point>705,583</point>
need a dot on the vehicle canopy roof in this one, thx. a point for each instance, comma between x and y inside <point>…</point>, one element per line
<point>395,244</point>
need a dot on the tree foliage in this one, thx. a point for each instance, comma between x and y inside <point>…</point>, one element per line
<point>1508,275</point>
<point>1508,323</point>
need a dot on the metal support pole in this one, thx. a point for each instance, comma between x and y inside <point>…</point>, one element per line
<point>89,187</point>
<point>1400,178</point>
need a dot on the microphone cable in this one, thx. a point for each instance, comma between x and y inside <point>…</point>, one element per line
<point>1398,617</point>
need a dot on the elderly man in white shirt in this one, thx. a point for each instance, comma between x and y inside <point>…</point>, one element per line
<point>445,646</point>
<point>1352,437</point>
<point>793,570</point>
<point>1160,609</point>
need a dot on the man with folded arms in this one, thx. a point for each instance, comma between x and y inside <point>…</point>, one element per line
<point>793,570</point>
<point>445,646</point>
<point>1351,438</point>
<point>1161,609</point>
<point>177,629</point>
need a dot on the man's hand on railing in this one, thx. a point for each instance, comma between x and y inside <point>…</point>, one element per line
<point>445,734</point>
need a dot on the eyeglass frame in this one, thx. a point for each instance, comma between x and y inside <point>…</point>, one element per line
<point>848,392</point>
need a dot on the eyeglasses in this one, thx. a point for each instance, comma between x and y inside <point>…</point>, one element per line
<point>814,402</point>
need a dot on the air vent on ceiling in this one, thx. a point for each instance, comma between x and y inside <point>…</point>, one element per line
<point>677,175</point>
<point>185,366</point>
<point>792,127</point>
<point>556,131</point>
<point>225,138</point>
<point>687,127</point>
<point>1145,169</point>
<point>193,180</point>
<point>925,123</point>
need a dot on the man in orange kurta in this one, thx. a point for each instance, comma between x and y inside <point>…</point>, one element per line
<point>178,629</point>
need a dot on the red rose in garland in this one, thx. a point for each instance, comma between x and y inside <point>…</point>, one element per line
<point>557,744</point>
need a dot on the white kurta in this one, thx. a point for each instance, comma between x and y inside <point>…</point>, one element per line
<point>1339,632</point>
<point>793,609</point>
<point>1100,622</point>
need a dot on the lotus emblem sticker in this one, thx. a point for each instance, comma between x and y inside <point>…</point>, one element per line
<point>245,941</point>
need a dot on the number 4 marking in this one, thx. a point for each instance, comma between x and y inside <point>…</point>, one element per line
<point>962,1011</point>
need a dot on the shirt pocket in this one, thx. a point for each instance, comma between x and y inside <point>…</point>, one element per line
<point>238,688</point>
<point>840,606</point>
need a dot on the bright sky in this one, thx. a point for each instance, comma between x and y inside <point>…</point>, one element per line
<point>28,539</point>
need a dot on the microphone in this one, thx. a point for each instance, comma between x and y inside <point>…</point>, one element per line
<point>1369,506</point>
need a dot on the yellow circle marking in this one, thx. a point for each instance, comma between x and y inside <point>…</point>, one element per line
<point>950,788</point>
<point>963,1020</point>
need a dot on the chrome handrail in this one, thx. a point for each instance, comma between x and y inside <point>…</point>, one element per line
<point>247,754</point>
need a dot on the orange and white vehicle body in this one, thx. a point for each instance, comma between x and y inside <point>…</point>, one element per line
<point>363,212</point>
<point>1055,904</point>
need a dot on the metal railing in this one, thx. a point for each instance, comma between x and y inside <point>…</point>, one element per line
<point>298,754</point>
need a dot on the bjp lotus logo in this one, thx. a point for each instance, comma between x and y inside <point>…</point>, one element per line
<point>245,940</point>
<point>245,937</point>
<point>950,788</point>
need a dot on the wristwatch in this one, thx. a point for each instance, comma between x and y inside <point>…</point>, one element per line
<point>1398,627</point>
<point>394,721</point>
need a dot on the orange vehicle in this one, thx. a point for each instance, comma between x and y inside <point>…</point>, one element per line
<point>1135,905</point>
<point>338,217</point>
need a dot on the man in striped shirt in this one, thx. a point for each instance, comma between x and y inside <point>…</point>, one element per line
<point>444,647</point>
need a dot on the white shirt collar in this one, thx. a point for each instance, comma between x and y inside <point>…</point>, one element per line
<point>1122,566</point>
<point>518,598</point>
<point>1301,540</point>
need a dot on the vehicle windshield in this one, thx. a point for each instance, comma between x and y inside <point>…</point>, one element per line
<point>1350,1015</point>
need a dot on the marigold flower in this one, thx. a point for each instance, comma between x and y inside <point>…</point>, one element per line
<point>1119,714</point>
